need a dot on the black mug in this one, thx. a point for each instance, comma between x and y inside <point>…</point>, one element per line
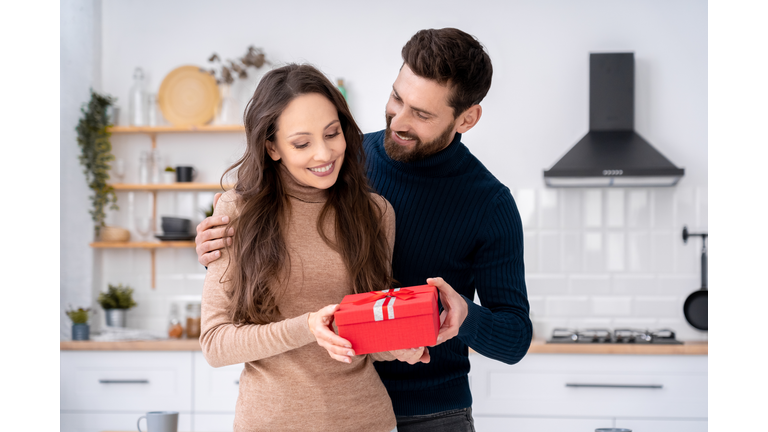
<point>185,174</point>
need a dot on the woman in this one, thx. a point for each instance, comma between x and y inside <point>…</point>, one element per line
<point>308,231</point>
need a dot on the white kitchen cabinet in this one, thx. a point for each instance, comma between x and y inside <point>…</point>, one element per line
<point>99,422</point>
<point>538,424</point>
<point>126,381</point>
<point>216,389</point>
<point>553,389</point>
<point>665,425</point>
<point>214,422</point>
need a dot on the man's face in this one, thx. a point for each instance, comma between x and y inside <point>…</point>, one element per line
<point>420,122</point>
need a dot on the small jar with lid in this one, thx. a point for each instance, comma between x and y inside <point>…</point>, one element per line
<point>175,330</point>
<point>193,320</point>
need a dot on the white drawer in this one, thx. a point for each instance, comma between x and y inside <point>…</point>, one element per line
<point>216,389</point>
<point>532,424</point>
<point>591,386</point>
<point>640,425</point>
<point>100,422</point>
<point>214,422</point>
<point>126,381</point>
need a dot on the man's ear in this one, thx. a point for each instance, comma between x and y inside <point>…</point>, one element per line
<point>469,118</point>
<point>272,151</point>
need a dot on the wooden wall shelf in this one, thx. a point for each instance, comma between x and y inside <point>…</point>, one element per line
<point>171,187</point>
<point>175,129</point>
<point>143,245</point>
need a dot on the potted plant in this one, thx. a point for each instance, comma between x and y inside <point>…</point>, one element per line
<point>96,154</point>
<point>115,302</point>
<point>169,175</point>
<point>80,327</point>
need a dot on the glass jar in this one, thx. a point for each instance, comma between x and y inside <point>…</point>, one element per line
<point>137,100</point>
<point>144,168</point>
<point>155,166</point>
<point>175,330</point>
<point>193,320</point>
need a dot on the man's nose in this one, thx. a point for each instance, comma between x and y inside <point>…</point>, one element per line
<point>399,122</point>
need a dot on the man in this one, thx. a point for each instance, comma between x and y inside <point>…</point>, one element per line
<point>454,219</point>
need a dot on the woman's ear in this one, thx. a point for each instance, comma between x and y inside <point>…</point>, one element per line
<point>272,151</point>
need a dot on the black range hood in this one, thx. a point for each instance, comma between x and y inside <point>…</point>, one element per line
<point>612,153</point>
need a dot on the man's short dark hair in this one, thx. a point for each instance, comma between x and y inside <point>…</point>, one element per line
<point>454,57</point>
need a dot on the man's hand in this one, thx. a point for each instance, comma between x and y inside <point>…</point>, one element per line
<point>455,309</point>
<point>210,237</point>
<point>412,355</point>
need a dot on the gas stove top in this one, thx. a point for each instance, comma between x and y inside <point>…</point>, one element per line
<point>617,336</point>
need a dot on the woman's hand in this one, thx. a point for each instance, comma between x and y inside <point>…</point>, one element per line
<point>320,325</point>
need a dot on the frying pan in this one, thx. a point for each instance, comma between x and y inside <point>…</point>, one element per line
<point>695,307</point>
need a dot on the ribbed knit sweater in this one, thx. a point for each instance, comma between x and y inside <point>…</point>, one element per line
<point>289,382</point>
<point>455,220</point>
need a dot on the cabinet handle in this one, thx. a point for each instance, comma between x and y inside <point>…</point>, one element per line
<point>640,386</point>
<point>109,381</point>
<point>237,382</point>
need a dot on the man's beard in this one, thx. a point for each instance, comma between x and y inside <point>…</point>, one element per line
<point>420,150</point>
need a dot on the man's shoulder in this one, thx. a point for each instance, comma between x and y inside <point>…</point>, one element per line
<point>372,138</point>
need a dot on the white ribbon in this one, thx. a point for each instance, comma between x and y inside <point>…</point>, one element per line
<point>378,307</point>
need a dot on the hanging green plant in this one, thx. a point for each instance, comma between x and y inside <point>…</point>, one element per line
<point>96,153</point>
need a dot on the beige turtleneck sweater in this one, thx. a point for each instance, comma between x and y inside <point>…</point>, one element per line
<point>289,382</point>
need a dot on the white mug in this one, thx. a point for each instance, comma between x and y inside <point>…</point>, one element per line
<point>160,421</point>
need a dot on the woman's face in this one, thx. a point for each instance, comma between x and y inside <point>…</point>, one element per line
<point>310,141</point>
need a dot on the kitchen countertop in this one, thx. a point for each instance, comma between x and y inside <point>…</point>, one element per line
<point>537,347</point>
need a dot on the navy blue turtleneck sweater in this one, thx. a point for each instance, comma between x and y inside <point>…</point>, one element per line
<point>455,220</point>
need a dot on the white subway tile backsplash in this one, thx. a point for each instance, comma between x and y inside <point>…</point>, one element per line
<point>572,200</point>
<point>614,253</point>
<point>638,252</point>
<point>625,284</point>
<point>678,285</point>
<point>549,209</point>
<point>568,306</point>
<point>525,199</point>
<point>685,208</point>
<point>593,208</point>
<point>615,306</point>
<point>663,251</point>
<point>539,284</point>
<point>638,209</point>
<point>614,208</point>
<point>549,252</point>
<point>702,204</point>
<point>589,323</point>
<point>590,284</point>
<point>635,323</point>
<point>593,252</point>
<point>663,208</point>
<point>658,306</point>
<point>543,326</point>
<point>531,251</point>
<point>573,258</point>
<point>688,256</point>
<point>537,305</point>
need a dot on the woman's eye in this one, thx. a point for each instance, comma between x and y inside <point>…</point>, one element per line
<point>300,146</point>
<point>333,135</point>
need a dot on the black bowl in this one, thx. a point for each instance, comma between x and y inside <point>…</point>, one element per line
<point>176,225</point>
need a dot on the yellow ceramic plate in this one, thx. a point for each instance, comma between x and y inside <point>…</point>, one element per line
<point>188,97</point>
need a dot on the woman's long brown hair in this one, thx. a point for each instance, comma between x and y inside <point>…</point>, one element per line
<point>259,260</point>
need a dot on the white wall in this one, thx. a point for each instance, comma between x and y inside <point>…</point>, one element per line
<point>536,110</point>
<point>80,70</point>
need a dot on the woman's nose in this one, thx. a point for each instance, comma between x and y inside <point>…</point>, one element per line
<point>324,152</point>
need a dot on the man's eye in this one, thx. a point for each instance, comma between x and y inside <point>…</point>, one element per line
<point>421,116</point>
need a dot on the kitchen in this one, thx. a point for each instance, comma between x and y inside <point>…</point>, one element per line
<point>605,262</point>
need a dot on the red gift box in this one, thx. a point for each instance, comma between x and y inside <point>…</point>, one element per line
<point>389,320</point>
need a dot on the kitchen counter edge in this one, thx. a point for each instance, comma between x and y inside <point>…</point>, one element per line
<point>537,347</point>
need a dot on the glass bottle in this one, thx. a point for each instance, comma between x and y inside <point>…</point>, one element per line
<point>144,168</point>
<point>155,165</point>
<point>137,108</point>
<point>153,110</point>
<point>193,320</point>
<point>229,110</point>
<point>175,330</point>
